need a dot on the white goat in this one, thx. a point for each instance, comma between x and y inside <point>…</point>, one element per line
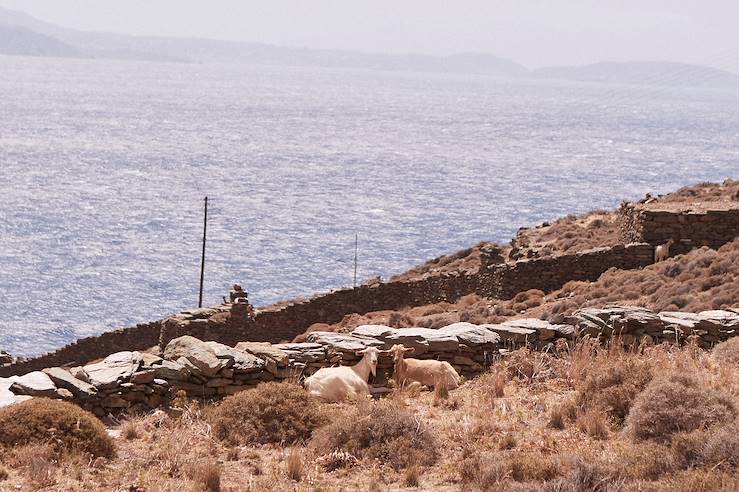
<point>338,383</point>
<point>662,252</point>
<point>426,372</point>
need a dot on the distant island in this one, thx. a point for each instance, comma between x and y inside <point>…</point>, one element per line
<point>24,35</point>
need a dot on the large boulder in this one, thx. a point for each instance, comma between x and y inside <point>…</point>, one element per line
<point>197,353</point>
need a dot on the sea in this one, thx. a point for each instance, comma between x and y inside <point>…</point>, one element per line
<point>105,166</point>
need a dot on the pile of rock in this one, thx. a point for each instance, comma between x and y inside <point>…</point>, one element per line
<point>143,381</point>
<point>6,359</point>
<point>634,324</point>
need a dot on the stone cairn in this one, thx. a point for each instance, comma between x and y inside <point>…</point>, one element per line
<point>141,381</point>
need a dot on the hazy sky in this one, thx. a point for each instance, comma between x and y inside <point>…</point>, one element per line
<point>533,32</point>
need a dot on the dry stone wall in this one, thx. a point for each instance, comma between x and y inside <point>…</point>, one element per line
<point>139,381</point>
<point>689,229</point>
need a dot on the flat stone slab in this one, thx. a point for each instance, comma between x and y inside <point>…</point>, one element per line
<point>34,383</point>
<point>239,361</point>
<point>513,334</point>
<point>64,379</point>
<point>115,369</point>
<point>421,339</point>
<point>303,352</point>
<point>544,329</point>
<point>265,350</point>
<point>7,397</point>
<point>342,341</point>
<point>372,331</point>
<point>472,335</point>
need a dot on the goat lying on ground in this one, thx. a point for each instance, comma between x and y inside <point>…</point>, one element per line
<point>426,372</point>
<point>338,383</point>
<point>662,252</point>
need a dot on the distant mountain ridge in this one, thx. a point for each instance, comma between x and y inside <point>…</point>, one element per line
<point>22,34</point>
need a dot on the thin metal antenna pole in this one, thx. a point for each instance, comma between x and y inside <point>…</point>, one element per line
<point>356,248</point>
<point>202,259</point>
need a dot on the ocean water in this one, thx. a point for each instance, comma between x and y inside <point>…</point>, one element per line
<point>105,165</point>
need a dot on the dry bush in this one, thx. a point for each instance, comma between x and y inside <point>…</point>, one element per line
<point>379,430</point>
<point>715,448</point>
<point>727,352</point>
<point>280,413</point>
<point>490,386</point>
<point>412,476</point>
<point>130,430</point>
<point>677,403</point>
<point>206,475</point>
<point>529,366</point>
<point>562,413</point>
<point>594,423</point>
<point>585,475</point>
<point>612,382</point>
<point>62,425</point>
<point>294,466</point>
<point>482,472</point>
<point>533,467</point>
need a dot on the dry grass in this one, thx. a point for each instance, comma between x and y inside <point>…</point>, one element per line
<point>676,403</point>
<point>280,413</point>
<point>379,430</point>
<point>500,442</point>
<point>64,426</point>
<point>294,466</point>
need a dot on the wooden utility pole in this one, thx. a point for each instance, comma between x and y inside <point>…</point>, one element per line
<point>202,258</point>
<point>356,248</point>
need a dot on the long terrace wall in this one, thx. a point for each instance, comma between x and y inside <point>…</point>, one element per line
<point>551,273</point>
<point>284,322</point>
<point>139,337</point>
<point>689,228</point>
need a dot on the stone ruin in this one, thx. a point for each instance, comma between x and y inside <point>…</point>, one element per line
<point>141,381</point>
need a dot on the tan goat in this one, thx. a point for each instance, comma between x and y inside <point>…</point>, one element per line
<point>662,252</point>
<point>427,372</point>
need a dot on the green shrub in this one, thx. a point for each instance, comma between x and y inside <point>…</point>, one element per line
<point>64,426</point>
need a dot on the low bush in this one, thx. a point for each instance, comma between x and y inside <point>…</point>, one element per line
<point>717,448</point>
<point>379,430</point>
<point>612,383</point>
<point>64,426</point>
<point>727,352</point>
<point>279,413</point>
<point>677,403</point>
